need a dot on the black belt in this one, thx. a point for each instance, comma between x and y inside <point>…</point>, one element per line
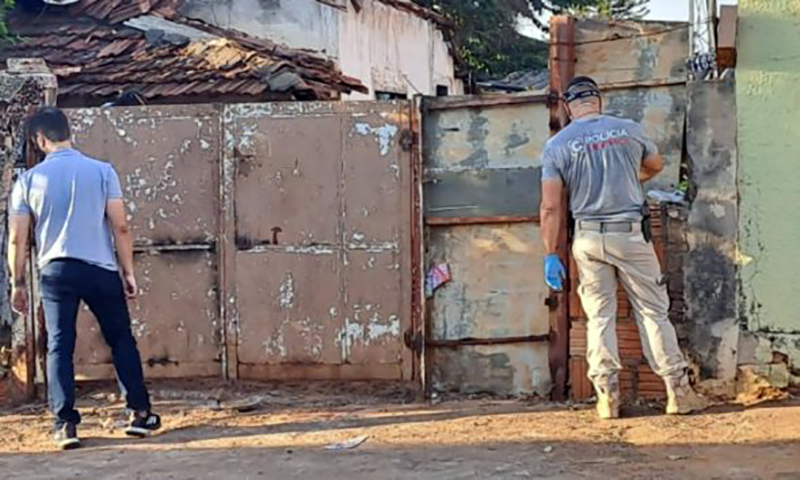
<point>606,227</point>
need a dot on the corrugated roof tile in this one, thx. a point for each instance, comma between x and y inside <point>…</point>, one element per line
<point>114,57</point>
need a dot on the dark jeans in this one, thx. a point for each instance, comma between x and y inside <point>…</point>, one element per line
<point>64,284</point>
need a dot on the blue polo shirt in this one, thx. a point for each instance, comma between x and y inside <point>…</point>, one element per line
<point>66,195</point>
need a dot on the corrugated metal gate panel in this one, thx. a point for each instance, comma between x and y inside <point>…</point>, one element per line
<point>338,279</point>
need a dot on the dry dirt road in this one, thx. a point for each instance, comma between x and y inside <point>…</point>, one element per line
<point>265,431</point>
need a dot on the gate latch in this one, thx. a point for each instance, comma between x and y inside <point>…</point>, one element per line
<point>551,303</point>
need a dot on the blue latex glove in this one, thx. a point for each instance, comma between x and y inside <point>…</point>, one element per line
<point>554,273</point>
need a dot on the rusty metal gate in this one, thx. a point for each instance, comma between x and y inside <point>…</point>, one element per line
<point>489,328</point>
<point>168,161</point>
<point>273,240</point>
<point>319,272</point>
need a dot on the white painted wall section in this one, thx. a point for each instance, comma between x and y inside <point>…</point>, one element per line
<point>394,51</point>
<point>297,23</point>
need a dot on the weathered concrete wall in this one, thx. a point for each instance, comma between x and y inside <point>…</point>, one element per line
<point>710,265</point>
<point>394,51</point>
<point>768,73</point>
<point>662,113</point>
<point>297,23</point>
<point>642,65</point>
<point>619,52</point>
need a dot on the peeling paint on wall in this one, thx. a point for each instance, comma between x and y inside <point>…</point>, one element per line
<point>287,292</point>
<point>384,135</point>
<point>367,327</point>
<point>769,287</point>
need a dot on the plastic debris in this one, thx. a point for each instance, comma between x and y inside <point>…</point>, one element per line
<point>437,276</point>
<point>662,196</point>
<point>349,444</point>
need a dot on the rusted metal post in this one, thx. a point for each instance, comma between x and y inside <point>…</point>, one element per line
<point>226,249</point>
<point>418,318</point>
<point>562,69</point>
<point>26,85</point>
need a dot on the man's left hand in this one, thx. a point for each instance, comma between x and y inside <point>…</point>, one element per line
<point>554,272</point>
<point>19,300</point>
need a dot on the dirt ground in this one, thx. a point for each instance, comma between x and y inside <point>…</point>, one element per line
<point>270,431</point>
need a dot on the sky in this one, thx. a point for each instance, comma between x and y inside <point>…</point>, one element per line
<point>672,10</point>
<point>675,9</point>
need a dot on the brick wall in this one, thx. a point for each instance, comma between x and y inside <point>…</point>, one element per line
<point>637,379</point>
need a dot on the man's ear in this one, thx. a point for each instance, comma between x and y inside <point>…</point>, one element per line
<point>41,142</point>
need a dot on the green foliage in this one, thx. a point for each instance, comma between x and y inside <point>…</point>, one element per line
<point>619,9</point>
<point>487,31</point>
<point>5,6</point>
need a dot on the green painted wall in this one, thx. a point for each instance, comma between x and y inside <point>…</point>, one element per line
<point>768,96</point>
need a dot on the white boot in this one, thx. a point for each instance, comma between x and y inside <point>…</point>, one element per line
<point>608,399</point>
<point>681,397</point>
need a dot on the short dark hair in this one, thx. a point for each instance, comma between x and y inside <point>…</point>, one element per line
<point>50,122</point>
<point>580,80</point>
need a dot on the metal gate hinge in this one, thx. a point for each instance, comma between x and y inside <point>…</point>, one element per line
<point>407,140</point>
<point>414,341</point>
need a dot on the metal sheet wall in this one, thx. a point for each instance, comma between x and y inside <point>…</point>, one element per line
<point>496,291</point>
<point>322,220</point>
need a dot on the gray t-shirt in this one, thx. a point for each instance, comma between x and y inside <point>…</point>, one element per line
<point>66,195</point>
<point>599,159</point>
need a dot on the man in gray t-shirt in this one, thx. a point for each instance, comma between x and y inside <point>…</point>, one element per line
<point>83,240</point>
<point>600,161</point>
<point>600,158</point>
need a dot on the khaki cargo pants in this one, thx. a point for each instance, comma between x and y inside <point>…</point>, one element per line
<point>602,258</point>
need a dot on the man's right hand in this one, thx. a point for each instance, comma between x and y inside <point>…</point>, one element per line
<point>19,300</point>
<point>131,289</point>
<point>554,272</point>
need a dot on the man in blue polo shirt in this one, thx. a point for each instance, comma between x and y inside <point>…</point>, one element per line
<point>75,206</point>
